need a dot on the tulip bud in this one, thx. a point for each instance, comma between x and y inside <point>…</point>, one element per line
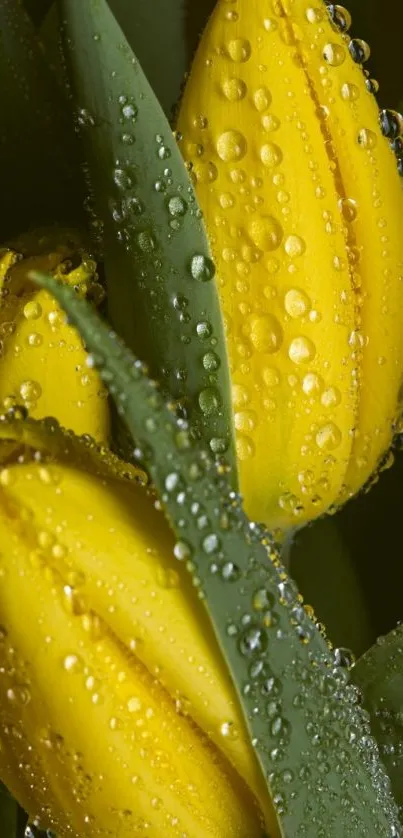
<point>43,361</point>
<point>117,713</point>
<point>303,204</point>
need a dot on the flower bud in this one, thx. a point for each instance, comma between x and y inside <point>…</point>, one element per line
<point>117,713</point>
<point>43,361</point>
<point>303,204</point>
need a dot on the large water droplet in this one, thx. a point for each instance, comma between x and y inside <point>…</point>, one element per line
<point>301,350</point>
<point>271,155</point>
<point>239,49</point>
<point>231,146</point>
<point>334,54</point>
<point>266,334</point>
<point>265,232</point>
<point>328,437</point>
<point>202,267</point>
<point>234,89</point>
<point>296,303</point>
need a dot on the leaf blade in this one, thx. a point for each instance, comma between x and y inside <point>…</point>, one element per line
<point>274,651</point>
<point>161,294</point>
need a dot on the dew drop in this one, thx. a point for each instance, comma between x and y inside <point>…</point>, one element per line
<point>265,232</point>
<point>334,54</point>
<point>234,89</point>
<point>359,50</point>
<point>331,397</point>
<point>296,303</point>
<point>266,334</point>
<point>271,155</point>
<point>209,401</point>
<point>72,663</point>
<point>202,268</point>
<point>294,246</point>
<point>239,50</point>
<point>30,391</point>
<point>245,447</point>
<point>177,206</point>
<point>301,350</point>
<point>366,139</point>
<point>231,146</point>
<point>262,99</point>
<point>348,208</point>
<point>253,641</point>
<point>328,437</point>
<point>32,310</point>
<point>349,92</point>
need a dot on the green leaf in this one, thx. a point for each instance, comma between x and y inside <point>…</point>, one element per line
<point>379,675</point>
<point>309,732</point>
<point>161,294</point>
<point>8,814</point>
<point>37,148</point>
<point>157,36</point>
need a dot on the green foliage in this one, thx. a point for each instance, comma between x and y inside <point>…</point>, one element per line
<point>161,295</point>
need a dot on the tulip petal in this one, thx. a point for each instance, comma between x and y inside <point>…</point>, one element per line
<point>118,645</point>
<point>43,363</point>
<point>293,261</point>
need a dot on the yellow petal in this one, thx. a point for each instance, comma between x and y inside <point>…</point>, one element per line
<point>302,201</point>
<point>43,362</point>
<point>123,707</point>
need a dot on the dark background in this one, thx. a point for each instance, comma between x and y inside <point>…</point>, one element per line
<point>350,566</point>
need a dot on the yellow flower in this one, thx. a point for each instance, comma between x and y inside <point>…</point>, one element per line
<point>42,362</point>
<point>303,204</point>
<point>117,715</point>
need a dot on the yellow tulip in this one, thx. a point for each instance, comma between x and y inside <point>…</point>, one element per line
<point>303,204</point>
<point>42,362</point>
<point>117,714</point>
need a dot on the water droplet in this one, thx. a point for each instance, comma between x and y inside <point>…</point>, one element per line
<point>253,641</point>
<point>349,92</point>
<point>30,391</point>
<point>271,155</point>
<point>209,401</point>
<point>229,730</point>
<point>266,334</point>
<point>245,447</point>
<point>265,232</point>
<point>328,437</point>
<point>263,600</point>
<point>32,310</point>
<point>348,208</point>
<point>391,123</point>
<point>230,572</point>
<point>366,139</point>
<point>211,361</point>
<point>331,397</point>
<point>301,350</point>
<point>72,663</point>
<point>334,54</point>
<point>182,551</point>
<point>296,303</point>
<point>146,241</point>
<point>204,330</point>
<point>231,146</point>
<point>211,543</point>
<point>177,206</point>
<point>122,178</point>
<point>239,49</point>
<point>202,268</point>
<point>359,50</point>
<point>234,89</point>
<point>294,246</point>
<point>262,99</point>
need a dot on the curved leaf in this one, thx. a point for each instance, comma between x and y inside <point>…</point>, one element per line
<point>159,272</point>
<point>39,171</point>
<point>379,675</point>
<point>312,738</point>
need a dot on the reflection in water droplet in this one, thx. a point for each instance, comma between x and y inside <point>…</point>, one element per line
<point>366,139</point>
<point>231,146</point>
<point>209,401</point>
<point>348,208</point>
<point>334,54</point>
<point>245,447</point>
<point>331,397</point>
<point>349,92</point>
<point>202,267</point>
